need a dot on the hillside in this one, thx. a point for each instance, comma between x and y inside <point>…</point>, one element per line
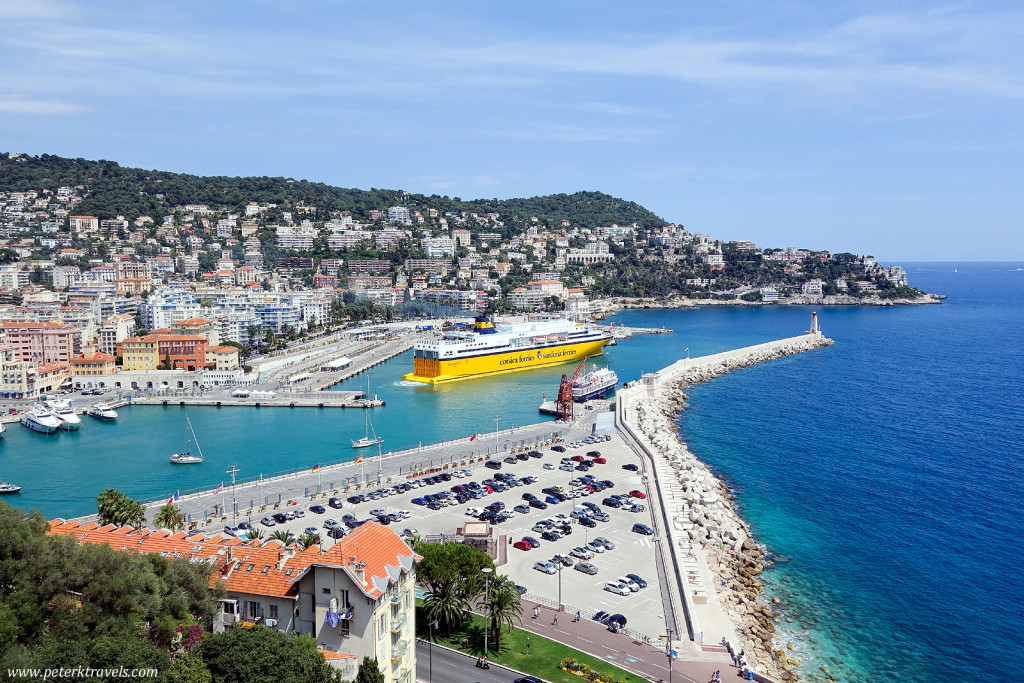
<point>116,190</point>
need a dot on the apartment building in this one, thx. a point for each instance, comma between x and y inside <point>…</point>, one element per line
<point>356,599</point>
<point>43,343</point>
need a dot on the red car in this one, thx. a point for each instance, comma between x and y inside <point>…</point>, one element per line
<point>522,545</point>
<point>577,458</point>
<point>599,460</point>
<point>637,494</point>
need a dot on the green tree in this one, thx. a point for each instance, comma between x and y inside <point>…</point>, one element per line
<point>502,606</point>
<point>189,668</point>
<point>444,562</point>
<point>115,507</point>
<point>285,537</point>
<point>446,603</point>
<point>264,655</point>
<point>369,671</point>
<point>170,517</point>
<point>307,541</point>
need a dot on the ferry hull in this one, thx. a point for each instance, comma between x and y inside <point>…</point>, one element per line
<point>434,371</point>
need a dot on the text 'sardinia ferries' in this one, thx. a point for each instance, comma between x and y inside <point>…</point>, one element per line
<point>449,356</point>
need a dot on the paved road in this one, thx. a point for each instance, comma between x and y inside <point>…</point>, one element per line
<point>454,667</point>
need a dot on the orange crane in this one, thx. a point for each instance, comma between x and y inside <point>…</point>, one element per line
<point>563,406</point>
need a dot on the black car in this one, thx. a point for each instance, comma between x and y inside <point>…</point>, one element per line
<point>535,454</point>
<point>590,506</point>
<point>615,622</point>
<point>565,529</point>
<point>496,506</point>
<point>558,449</point>
<point>631,467</point>
<point>612,502</point>
<point>280,517</point>
<point>358,498</point>
<point>383,519</point>
<point>521,589</point>
<point>445,476</point>
<point>539,504</point>
<point>607,483</point>
<point>335,503</point>
<point>532,541</point>
<point>493,464</point>
<point>522,456</point>
<point>593,454</point>
<point>318,509</point>
<point>587,522</point>
<point>528,679</point>
<point>637,580</point>
<point>529,496</point>
<point>336,532</point>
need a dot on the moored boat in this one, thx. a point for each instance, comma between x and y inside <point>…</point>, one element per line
<point>101,411</point>
<point>6,487</point>
<point>64,411</point>
<point>186,457</point>
<point>39,419</point>
<point>449,356</point>
<point>597,383</point>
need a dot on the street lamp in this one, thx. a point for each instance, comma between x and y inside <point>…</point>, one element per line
<point>487,598</point>
<point>559,585</point>
<point>433,625</point>
<point>669,649</point>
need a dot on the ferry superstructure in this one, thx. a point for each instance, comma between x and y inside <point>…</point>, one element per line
<point>450,356</point>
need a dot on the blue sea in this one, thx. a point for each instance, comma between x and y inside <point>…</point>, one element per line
<point>883,473</point>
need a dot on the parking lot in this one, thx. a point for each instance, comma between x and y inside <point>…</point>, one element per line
<point>633,553</point>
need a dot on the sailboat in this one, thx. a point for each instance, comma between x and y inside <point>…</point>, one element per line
<point>186,458</point>
<point>367,440</point>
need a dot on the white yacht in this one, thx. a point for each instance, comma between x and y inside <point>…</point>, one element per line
<point>6,487</point>
<point>367,440</point>
<point>39,419</point>
<point>65,412</point>
<point>186,457</point>
<point>101,411</point>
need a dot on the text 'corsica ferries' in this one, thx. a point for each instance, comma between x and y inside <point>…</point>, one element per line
<point>450,356</point>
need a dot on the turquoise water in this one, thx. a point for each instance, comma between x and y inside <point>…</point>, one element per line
<point>883,472</point>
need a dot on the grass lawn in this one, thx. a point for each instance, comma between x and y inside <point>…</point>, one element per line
<point>542,659</point>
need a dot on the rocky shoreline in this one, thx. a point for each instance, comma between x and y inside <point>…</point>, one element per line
<point>732,554</point>
<point>609,306</point>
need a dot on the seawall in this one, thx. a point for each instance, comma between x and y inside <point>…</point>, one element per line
<point>707,547</point>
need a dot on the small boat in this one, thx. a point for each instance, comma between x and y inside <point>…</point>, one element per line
<point>3,429</point>
<point>64,411</point>
<point>101,411</point>
<point>595,384</point>
<point>8,488</point>
<point>367,440</point>
<point>39,419</point>
<point>186,457</point>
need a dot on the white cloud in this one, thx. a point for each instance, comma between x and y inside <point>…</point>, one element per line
<point>13,103</point>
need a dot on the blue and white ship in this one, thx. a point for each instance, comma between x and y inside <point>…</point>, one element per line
<point>595,384</point>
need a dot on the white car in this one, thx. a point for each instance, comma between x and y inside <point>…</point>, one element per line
<point>548,568</point>
<point>629,583</point>
<point>581,553</point>
<point>474,512</point>
<point>549,465</point>
<point>617,588</point>
<point>405,514</point>
<point>559,519</point>
<point>594,547</point>
<point>458,473</point>
<point>467,472</point>
<point>605,542</point>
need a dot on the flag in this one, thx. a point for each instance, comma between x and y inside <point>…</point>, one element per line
<point>359,459</point>
<point>472,437</point>
<point>219,488</point>
<point>317,468</point>
<point>173,499</point>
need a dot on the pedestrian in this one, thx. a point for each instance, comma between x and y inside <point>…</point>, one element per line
<point>735,659</point>
<point>536,611</point>
<point>577,615</point>
<point>555,622</point>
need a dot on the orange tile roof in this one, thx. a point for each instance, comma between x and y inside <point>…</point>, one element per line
<point>260,569</point>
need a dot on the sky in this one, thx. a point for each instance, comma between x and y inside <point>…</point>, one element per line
<point>886,128</point>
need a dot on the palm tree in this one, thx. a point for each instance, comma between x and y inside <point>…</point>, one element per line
<point>256,533</point>
<point>285,537</point>
<point>115,507</point>
<point>503,607</point>
<point>446,604</point>
<point>307,541</point>
<point>170,517</point>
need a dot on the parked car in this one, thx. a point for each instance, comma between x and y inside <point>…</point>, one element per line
<point>629,583</point>
<point>549,465</point>
<point>268,521</point>
<point>630,467</point>
<point>419,501</point>
<point>551,500</point>
<point>615,623</point>
<point>586,568</point>
<point>535,454</point>
<point>564,559</point>
<point>611,502</point>
<point>335,503</point>
<point>605,542</point>
<point>637,580</point>
<point>587,522</point>
<point>595,547</point>
<point>336,532</point>
<point>558,449</point>
<point>532,541</point>
<point>637,493</point>
<point>593,454</point>
<point>643,529</point>
<point>539,504</point>
<point>551,535</point>
<point>601,516</point>
<point>318,509</point>
<point>581,553</point>
<point>599,460</point>
<point>231,530</point>
<point>545,567</point>
<point>522,545</point>
<point>616,588</point>
<point>409,533</point>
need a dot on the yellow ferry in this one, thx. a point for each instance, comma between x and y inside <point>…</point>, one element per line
<point>451,356</point>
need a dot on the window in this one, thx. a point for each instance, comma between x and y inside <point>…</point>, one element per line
<point>327,591</point>
<point>273,611</point>
<point>380,625</point>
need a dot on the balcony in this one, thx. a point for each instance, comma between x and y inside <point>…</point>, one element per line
<point>398,623</point>
<point>398,649</point>
<point>396,600</point>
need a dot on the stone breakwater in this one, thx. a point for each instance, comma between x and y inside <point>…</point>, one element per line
<point>709,518</point>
